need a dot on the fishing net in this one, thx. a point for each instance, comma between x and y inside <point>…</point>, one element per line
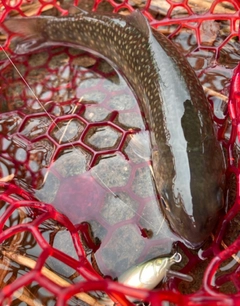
<point>51,132</point>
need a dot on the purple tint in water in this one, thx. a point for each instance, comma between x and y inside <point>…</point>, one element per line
<point>79,197</point>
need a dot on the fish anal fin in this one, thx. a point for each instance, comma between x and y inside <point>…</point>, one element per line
<point>138,20</point>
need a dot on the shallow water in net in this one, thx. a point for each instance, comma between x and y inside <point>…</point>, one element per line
<point>91,134</point>
<point>83,148</point>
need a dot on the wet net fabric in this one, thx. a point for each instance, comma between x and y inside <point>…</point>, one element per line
<point>29,227</point>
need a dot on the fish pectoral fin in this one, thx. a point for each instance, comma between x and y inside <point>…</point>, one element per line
<point>29,44</point>
<point>139,21</point>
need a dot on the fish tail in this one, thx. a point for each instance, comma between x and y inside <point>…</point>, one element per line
<point>21,26</point>
<point>31,31</point>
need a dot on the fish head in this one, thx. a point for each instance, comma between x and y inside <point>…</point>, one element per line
<point>196,227</point>
<point>193,208</point>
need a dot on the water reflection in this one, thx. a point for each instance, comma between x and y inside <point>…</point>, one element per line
<point>86,152</point>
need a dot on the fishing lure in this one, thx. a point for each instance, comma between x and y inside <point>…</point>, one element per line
<point>147,275</point>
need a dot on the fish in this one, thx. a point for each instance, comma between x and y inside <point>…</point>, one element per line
<point>187,159</point>
<point>146,275</point>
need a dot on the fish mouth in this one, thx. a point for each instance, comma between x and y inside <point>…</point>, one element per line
<point>195,241</point>
<point>193,245</point>
<point>195,237</point>
<point>191,235</point>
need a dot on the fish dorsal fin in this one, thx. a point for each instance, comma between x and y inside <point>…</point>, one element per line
<point>138,20</point>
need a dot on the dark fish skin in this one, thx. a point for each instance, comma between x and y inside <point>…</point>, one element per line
<point>187,159</point>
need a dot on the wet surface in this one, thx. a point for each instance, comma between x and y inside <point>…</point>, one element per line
<point>86,152</point>
<point>77,141</point>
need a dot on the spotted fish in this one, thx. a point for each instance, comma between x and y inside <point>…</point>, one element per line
<point>186,157</point>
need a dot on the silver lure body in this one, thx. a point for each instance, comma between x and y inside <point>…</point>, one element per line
<point>146,275</point>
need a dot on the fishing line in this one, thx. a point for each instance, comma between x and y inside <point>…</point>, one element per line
<point>69,142</point>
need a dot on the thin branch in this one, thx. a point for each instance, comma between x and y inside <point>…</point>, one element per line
<point>30,263</point>
<point>214,93</point>
<point>27,297</point>
<point>7,178</point>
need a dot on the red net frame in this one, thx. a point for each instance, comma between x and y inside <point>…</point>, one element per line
<point>15,197</point>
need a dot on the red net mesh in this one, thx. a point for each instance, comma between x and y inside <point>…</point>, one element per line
<point>51,132</point>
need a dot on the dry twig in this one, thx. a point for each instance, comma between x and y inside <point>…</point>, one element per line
<point>7,178</point>
<point>32,9</point>
<point>162,7</point>
<point>215,94</point>
<point>30,263</point>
